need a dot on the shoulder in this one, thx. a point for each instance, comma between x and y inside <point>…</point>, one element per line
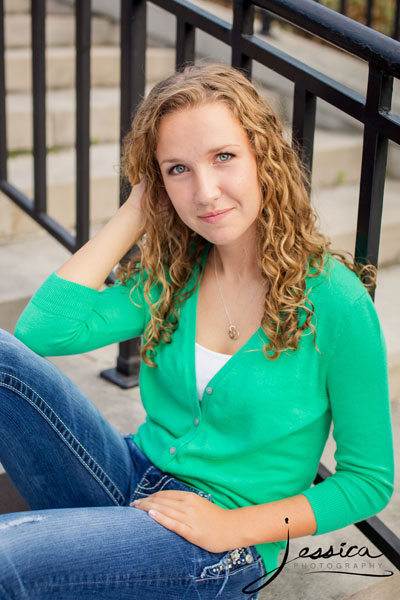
<point>343,308</point>
<point>336,285</point>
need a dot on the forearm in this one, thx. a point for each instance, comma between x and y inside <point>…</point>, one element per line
<point>92,263</point>
<point>265,523</point>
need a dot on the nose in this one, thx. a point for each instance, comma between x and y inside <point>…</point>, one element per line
<point>207,188</point>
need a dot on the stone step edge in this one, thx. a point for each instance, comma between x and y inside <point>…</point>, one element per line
<point>387,589</point>
<point>59,30</point>
<point>60,67</point>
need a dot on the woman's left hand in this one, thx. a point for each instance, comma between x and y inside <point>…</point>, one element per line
<point>194,518</point>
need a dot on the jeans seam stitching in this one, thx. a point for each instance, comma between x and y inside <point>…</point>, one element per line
<point>145,473</point>
<point>142,487</point>
<point>68,444</point>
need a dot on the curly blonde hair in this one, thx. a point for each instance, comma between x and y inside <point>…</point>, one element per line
<point>288,243</point>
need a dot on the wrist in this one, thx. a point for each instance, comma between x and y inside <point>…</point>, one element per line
<point>240,526</point>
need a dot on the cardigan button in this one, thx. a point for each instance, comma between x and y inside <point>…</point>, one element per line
<point>208,390</point>
<point>172,450</point>
<point>196,421</point>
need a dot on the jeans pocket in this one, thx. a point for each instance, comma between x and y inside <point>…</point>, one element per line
<point>153,481</point>
<point>234,561</point>
<point>244,565</point>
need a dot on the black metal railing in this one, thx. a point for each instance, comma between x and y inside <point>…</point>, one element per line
<point>37,208</point>
<point>372,110</point>
<point>368,14</point>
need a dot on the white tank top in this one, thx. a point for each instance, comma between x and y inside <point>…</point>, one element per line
<point>208,363</point>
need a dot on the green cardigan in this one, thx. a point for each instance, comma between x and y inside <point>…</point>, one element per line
<point>260,430</point>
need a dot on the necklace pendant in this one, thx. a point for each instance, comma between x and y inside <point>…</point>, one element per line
<point>233,332</point>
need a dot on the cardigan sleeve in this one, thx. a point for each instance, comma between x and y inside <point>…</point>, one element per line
<point>358,390</point>
<point>64,317</point>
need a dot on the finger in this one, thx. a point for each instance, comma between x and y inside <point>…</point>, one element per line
<point>163,506</point>
<point>146,503</point>
<point>166,511</point>
<point>167,495</point>
<point>173,524</point>
<point>180,495</point>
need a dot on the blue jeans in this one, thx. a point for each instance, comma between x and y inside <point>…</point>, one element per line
<point>78,475</point>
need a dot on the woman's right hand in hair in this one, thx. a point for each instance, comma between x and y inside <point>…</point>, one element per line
<point>136,197</point>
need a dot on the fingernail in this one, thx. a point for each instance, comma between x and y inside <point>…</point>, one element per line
<point>134,503</point>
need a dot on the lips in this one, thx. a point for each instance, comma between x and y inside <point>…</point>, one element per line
<point>215,216</point>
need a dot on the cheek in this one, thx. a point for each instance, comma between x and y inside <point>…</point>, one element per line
<point>248,183</point>
<point>179,205</point>
<point>177,197</point>
<point>255,188</point>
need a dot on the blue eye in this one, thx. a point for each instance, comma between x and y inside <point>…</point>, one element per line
<point>225,156</point>
<point>179,169</point>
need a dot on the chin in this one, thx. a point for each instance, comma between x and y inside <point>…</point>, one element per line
<point>222,241</point>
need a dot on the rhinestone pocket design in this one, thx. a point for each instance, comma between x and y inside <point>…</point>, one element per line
<point>239,556</point>
<point>235,558</point>
<point>230,563</point>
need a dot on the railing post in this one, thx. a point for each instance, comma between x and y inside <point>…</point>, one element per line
<point>266,22</point>
<point>396,23</point>
<point>83,41</point>
<point>375,147</point>
<point>133,78</point>
<point>368,19</point>
<point>39,104</point>
<point>3,130</point>
<point>133,62</point>
<point>243,23</point>
<point>185,43</point>
<point>303,126</point>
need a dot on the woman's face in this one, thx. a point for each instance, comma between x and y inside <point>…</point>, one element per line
<point>210,172</point>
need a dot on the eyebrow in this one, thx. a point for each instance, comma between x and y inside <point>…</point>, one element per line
<point>211,151</point>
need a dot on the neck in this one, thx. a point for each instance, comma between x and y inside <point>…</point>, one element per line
<point>237,263</point>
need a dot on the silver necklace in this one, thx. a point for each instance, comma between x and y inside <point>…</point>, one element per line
<point>233,331</point>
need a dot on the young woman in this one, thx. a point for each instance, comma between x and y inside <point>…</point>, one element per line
<point>255,338</point>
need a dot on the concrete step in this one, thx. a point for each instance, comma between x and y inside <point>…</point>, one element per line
<point>60,30</point>
<point>61,110</point>
<point>104,164</point>
<point>61,114</point>
<point>388,589</point>
<point>337,207</point>
<point>60,67</point>
<point>17,6</point>
<point>52,7</point>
